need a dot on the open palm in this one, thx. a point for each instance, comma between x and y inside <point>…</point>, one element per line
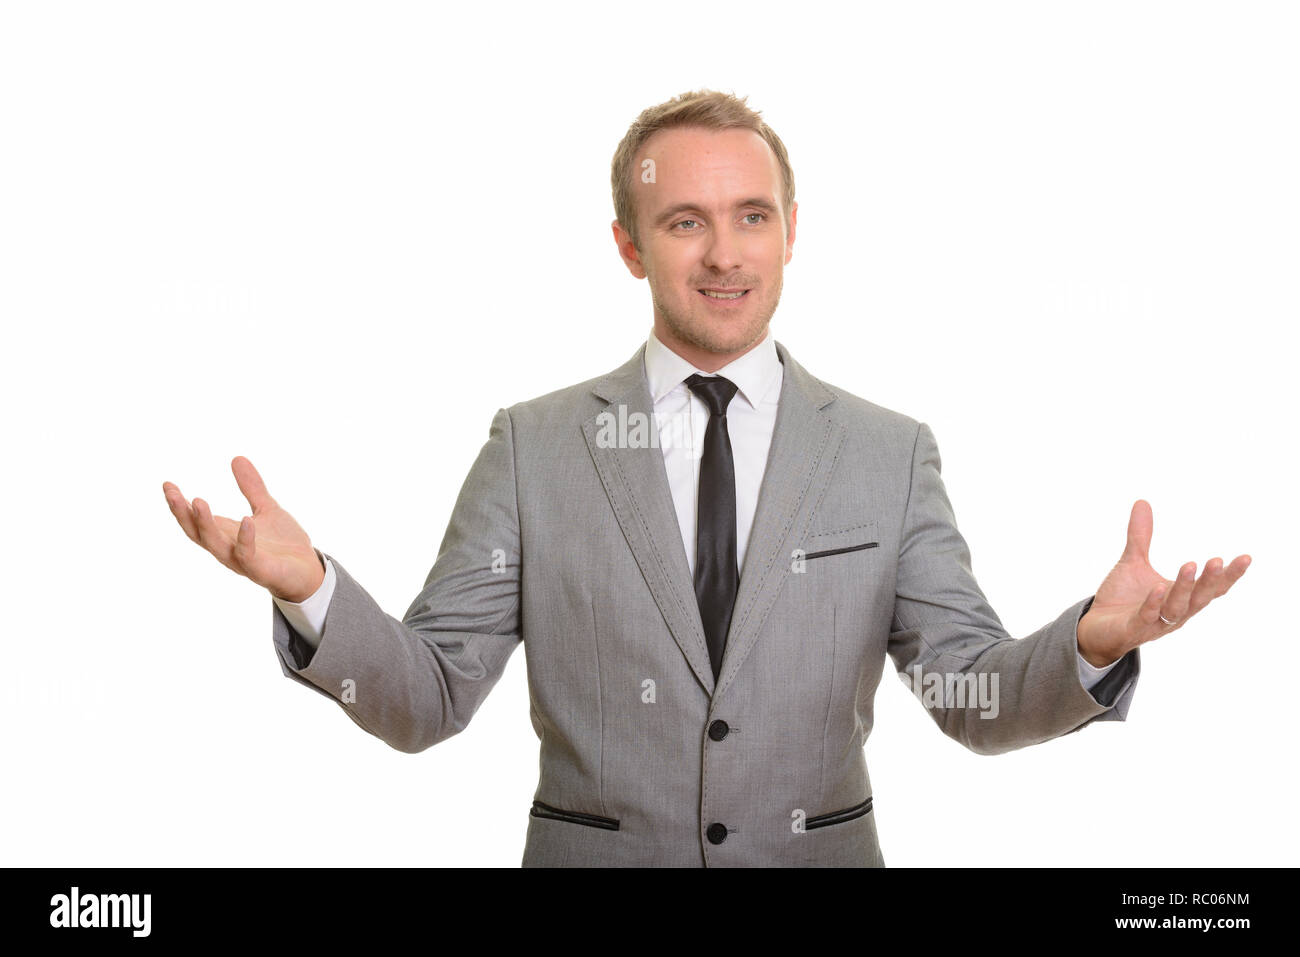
<point>1136,604</point>
<point>268,547</point>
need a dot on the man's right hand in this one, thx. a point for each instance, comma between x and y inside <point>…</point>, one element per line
<point>268,547</point>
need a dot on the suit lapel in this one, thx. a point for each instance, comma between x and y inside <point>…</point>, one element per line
<point>805,446</point>
<point>637,486</point>
<point>799,464</point>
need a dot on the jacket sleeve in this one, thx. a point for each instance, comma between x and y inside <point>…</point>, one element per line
<point>990,692</point>
<point>418,681</point>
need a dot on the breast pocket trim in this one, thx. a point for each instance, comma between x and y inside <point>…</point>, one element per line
<point>837,541</point>
<point>838,551</point>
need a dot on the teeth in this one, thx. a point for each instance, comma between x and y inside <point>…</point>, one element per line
<point>724,295</point>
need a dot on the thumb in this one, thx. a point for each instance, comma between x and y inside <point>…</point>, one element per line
<point>1139,532</point>
<point>251,484</point>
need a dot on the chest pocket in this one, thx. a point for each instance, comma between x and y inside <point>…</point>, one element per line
<point>841,540</point>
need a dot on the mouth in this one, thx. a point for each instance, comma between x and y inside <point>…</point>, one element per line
<point>723,297</point>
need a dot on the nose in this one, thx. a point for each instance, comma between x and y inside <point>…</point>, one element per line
<point>723,251</point>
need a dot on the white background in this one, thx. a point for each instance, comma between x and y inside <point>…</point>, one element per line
<point>336,238</point>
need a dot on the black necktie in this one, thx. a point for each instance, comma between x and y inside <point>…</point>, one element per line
<point>717,577</point>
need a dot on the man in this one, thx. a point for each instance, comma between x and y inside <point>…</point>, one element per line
<point>708,554</point>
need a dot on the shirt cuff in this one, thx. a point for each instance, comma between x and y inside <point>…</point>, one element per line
<point>307,617</point>
<point>1089,675</point>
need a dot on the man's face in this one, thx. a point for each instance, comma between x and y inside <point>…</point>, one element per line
<point>710,226</point>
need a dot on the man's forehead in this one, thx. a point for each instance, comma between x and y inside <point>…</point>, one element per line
<point>716,164</point>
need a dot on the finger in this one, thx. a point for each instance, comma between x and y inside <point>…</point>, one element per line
<point>1174,607</point>
<point>1149,613</point>
<point>251,484</point>
<point>1213,583</point>
<point>210,536</point>
<point>180,510</point>
<point>244,542</point>
<point>1216,580</point>
<point>1236,570</point>
<point>1139,531</point>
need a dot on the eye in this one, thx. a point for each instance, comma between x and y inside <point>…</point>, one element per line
<point>675,225</point>
<point>759,215</point>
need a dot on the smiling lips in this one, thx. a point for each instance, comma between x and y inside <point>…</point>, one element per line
<point>724,295</point>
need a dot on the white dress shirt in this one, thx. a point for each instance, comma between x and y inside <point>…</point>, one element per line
<point>681,418</point>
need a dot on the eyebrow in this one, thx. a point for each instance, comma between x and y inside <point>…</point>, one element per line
<point>679,208</point>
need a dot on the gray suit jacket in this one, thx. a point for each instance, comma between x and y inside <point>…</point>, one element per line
<point>573,549</point>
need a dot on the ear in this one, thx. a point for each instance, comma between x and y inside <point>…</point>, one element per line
<point>627,250</point>
<point>789,240</point>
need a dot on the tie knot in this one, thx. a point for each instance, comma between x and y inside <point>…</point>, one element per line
<point>715,391</point>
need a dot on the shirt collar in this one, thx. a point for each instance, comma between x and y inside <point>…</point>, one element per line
<point>754,373</point>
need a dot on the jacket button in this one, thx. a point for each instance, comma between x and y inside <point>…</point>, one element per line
<point>718,730</point>
<point>717,833</point>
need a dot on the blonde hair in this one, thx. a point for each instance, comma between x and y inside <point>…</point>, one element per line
<point>707,109</point>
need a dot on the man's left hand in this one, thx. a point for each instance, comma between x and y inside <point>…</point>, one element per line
<point>1128,608</point>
